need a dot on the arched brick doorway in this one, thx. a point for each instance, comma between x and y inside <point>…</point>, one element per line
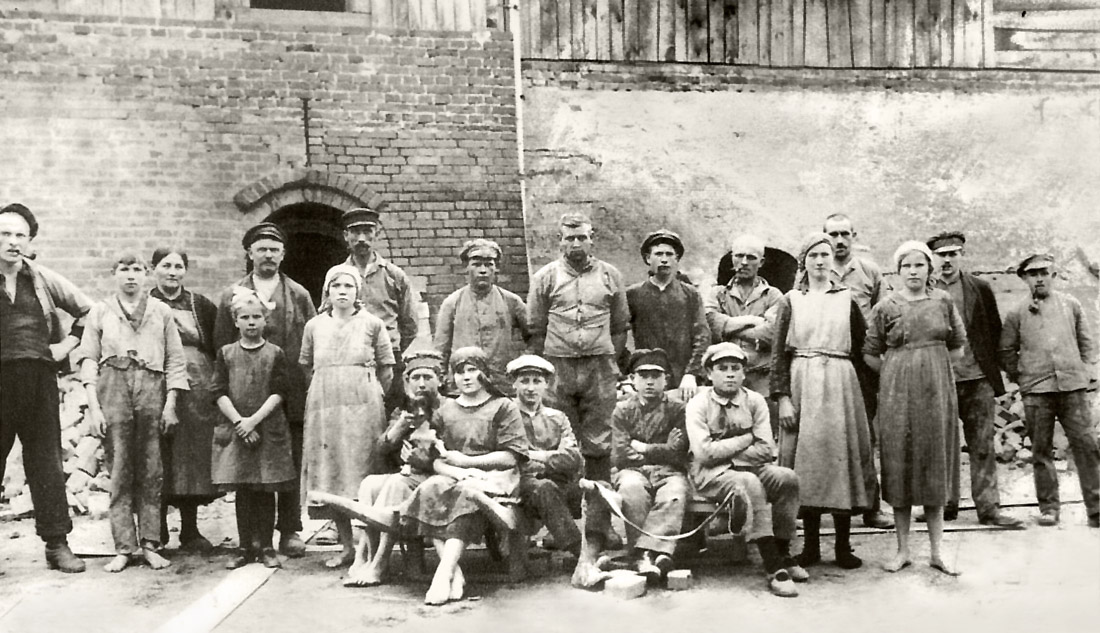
<point>315,243</point>
<point>307,204</point>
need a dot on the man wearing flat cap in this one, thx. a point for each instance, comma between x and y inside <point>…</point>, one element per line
<point>1048,349</point>
<point>32,344</point>
<point>579,319</point>
<point>291,307</point>
<point>666,312</point>
<point>649,449</point>
<point>385,291</point>
<point>977,375</point>
<point>481,313</point>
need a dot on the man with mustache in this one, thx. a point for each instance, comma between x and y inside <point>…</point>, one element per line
<point>385,291</point>
<point>290,308</point>
<point>864,278</point>
<point>743,312</point>
<point>32,344</point>
<point>1048,349</point>
<point>482,314</point>
<point>977,376</point>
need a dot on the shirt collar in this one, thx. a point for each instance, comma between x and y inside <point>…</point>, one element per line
<point>376,261</point>
<point>759,287</point>
<point>525,413</point>
<point>736,399</point>
<point>591,263</point>
<point>659,286</point>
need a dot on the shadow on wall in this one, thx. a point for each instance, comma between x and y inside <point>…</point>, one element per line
<point>779,269</point>
<point>315,243</point>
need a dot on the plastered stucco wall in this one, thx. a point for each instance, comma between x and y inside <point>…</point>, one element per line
<point>1016,165</point>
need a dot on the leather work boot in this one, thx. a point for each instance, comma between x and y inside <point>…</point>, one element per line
<point>61,558</point>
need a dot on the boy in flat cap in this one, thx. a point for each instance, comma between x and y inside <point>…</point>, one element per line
<point>481,313</point>
<point>977,375</point>
<point>548,482</point>
<point>385,291</point>
<point>290,308</point>
<point>649,449</point>
<point>1047,348</point>
<point>666,312</point>
<point>579,319</point>
<point>32,344</point>
<point>732,449</point>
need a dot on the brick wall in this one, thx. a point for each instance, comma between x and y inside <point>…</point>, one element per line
<point>139,132</point>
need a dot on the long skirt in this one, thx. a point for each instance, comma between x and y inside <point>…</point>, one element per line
<point>918,425</point>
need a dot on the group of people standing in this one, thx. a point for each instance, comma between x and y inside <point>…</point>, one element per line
<point>777,399</point>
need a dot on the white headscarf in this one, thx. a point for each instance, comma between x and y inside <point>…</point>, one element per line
<point>909,247</point>
<point>332,274</point>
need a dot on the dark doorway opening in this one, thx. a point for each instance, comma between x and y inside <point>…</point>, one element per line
<point>315,243</point>
<point>779,269</point>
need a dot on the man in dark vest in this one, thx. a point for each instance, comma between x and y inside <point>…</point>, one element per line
<point>32,344</point>
<point>977,376</point>
<point>291,307</point>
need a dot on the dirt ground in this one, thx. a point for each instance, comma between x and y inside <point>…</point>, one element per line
<point>1041,579</point>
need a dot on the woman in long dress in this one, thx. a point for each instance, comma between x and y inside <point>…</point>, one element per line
<point>483,441</point>
<point>186,450</point>
<point>823,430</point>
<point>913,335</point>
<point>347,352</point>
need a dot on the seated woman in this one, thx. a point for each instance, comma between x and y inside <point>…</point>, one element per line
<point>482,441</point>
<point>404,452</point>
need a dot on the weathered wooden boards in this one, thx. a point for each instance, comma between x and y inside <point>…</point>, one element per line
<point>817,33</point>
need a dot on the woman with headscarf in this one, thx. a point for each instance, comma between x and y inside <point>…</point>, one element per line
<point>347,353</point>
<point>483,441</point>
<point>186,451</point>
<point>913,334</point>
<point>823,430</point>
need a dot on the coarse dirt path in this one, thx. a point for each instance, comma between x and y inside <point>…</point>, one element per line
<point>1041,579</point>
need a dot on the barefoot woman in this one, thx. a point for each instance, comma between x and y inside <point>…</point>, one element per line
<point>908,340</point>
<point>483,441</point>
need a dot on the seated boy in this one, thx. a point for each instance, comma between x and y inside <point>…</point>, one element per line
<point>649,449</point>
<point>732,448</point>
<point>548,485</point>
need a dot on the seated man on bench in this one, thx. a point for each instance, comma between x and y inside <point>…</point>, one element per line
<point>548,486</point>
<point>649,449</point>
<point>730,435</point>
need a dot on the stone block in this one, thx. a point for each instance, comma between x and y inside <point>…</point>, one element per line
<point>625,586</point>
<point>680,579</point>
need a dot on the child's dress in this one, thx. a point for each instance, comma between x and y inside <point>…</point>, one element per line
<point>249,377</point>
<point>344,409</point>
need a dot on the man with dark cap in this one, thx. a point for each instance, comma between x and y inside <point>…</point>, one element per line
<point>666,312</point>
<point>977,375</point>
<point>385,290</point>
<point>649,448</point>
<point>32,344</point>
<point>1048,349</point>
<point>482,314</point>
<point>291,307</point>
<point>579,318</point>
